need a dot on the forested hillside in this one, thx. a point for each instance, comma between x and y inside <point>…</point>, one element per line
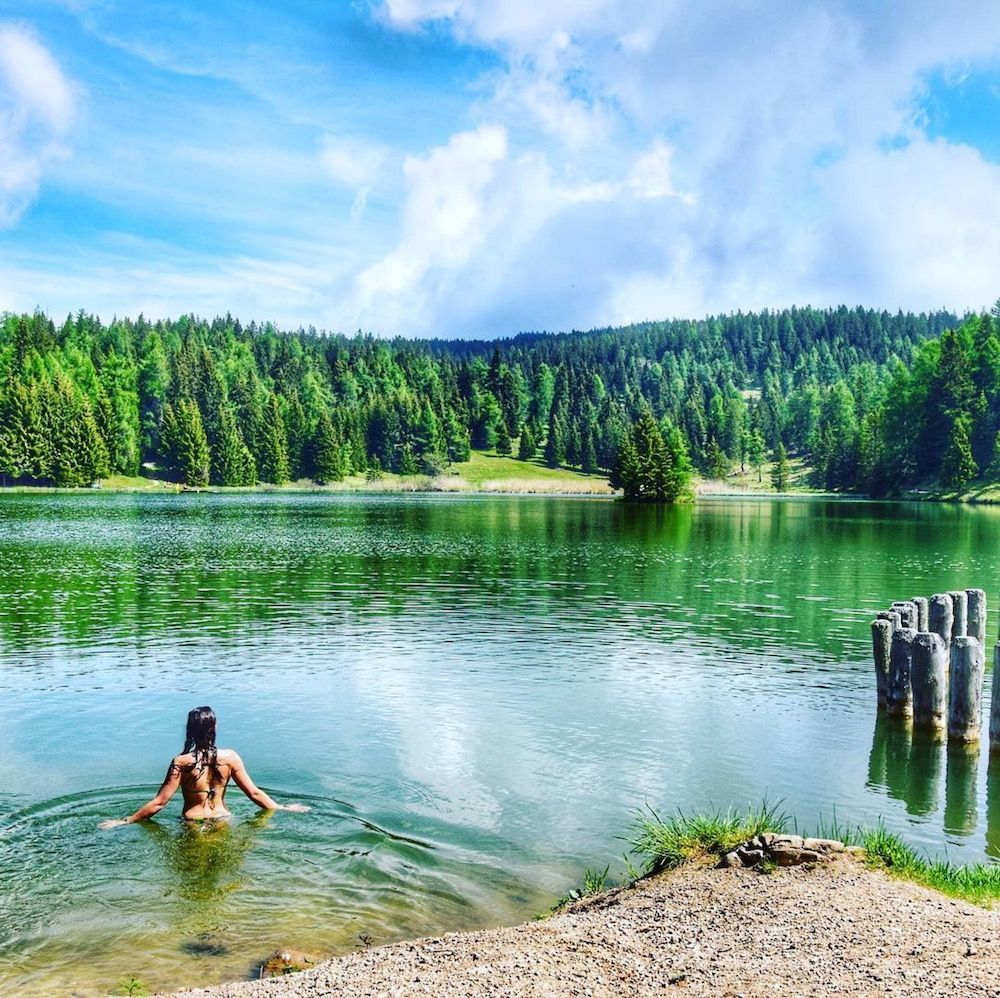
<point>232,405</point>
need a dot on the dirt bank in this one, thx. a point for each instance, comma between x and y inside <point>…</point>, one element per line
<point>835,929</point>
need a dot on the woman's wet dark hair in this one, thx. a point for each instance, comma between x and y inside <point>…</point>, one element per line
<point>199,738</point>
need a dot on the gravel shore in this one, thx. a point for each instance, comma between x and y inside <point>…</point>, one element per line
<point>835,929</point>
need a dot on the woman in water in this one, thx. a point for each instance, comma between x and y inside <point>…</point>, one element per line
<point>202,772</point>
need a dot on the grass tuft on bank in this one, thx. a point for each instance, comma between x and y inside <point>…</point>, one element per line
<point>665,844</point>
<point>978,883</point>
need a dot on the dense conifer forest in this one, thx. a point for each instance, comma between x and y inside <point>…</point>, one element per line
<point>874,401</point>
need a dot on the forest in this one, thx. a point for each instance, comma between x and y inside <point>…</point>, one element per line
<point>874,401</point>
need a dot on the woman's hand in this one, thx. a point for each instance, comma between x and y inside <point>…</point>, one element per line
<point>297,808</point>
<point>112,823</point>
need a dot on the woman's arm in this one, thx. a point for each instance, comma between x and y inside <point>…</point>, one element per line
<point>170,784</point>
<point>260,797</point>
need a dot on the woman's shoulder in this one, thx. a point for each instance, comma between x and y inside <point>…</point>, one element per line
<point>228,756</point>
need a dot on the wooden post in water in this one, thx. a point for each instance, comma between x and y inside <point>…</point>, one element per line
<point>960,620</point>
<point>900,668</point>
<point>929,679</point>
<point>892,616</point>
<point>881,641</point>
<point>995,705</point>
<point>907,613</point>
<point>965,702</point>
<point>940,617</point>
<point>921,604</point>
<point>975,626</point>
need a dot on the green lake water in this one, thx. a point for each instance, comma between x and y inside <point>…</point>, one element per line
<point>474,694</point>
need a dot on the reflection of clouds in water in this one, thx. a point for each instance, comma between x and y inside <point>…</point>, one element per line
<point>536,767</point>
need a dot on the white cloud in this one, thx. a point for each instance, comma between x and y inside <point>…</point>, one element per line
<point>355,164</point>
<point>756,137</point>
<point>37,108</point>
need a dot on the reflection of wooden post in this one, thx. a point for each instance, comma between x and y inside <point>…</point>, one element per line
<point>921,604</point>
<point>881,640</point>
<point>924,769</point>
<point>995,704</point>
<point>900,668</point>
<point>960,798</point>
<point>993,807</point>
<point>960,622</point>
<point>929,681</point>
<point>940,617</point>
<point>965,703</point>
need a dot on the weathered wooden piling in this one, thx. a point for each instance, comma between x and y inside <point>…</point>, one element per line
<point>975,625</point>
<point>995,704</point>
<point>900,669</point>
<point>960,609</point>
<point>907,613</point>
<point>965,701</point>
<point>920,602</point>
<point>881,640</point>
<point>941,616</point>
<point>892,616</point>
<point>929,681</point>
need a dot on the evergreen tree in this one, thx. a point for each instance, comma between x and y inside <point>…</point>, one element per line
<point>958,467</point>
<point>755,451</point>
<point>717,463</point>
<point>272,456</point>
<point>456,436</point>
<point>588,456</point>
<point>185,444</point>
<point>555,443</point>
<point>504,446</point>
<point>232,462</point>
<point>329,458</point>
<point>527,447</point>
<point>644,469</point>
<point>780,472</point>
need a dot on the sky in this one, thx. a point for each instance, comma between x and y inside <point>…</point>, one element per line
<point>479,168</point>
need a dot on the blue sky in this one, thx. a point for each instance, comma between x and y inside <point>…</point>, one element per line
<point>473,168</point>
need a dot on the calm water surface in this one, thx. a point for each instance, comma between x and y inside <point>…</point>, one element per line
<point>475,695</point>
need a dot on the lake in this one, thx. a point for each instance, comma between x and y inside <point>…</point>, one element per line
<point>474,694</point>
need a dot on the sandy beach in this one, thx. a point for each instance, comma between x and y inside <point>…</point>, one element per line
<point>837,928</point>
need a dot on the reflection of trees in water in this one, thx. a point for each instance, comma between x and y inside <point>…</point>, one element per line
<point>148,565</point>
<point>906,763</point>
<point>204,861</point>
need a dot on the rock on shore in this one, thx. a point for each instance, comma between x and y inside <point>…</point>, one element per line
<point>833,928</point>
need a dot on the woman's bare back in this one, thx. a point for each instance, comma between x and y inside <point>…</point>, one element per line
<point>204,786</point>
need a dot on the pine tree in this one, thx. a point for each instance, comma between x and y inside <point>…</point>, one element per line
<point>232,462</point>
<point>645,467</point>
<point>272,457</point>
<point>329,463</point>
<point>588,455</point>
<point>958,467</point>
<point>527,447</point>
<point>555,444</point>
<point>779,468</point>
<point>717,463</point>
<point>456,438</point>
<point>504,446</point>
<point>185,444</point>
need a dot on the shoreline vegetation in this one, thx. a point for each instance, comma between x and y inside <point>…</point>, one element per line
<point>695,917</point>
